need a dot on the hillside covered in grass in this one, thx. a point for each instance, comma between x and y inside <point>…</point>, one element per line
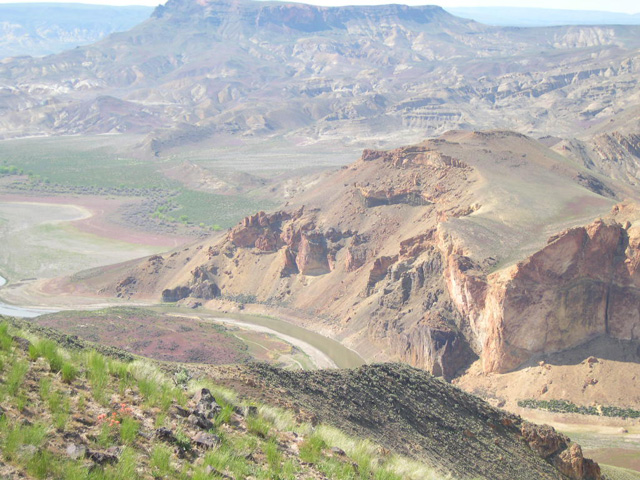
<point>77,413</point>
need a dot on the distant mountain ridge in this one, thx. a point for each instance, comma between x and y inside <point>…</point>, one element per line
<point>38,29</point>
<point>200,69</point>
<point>542,17</point>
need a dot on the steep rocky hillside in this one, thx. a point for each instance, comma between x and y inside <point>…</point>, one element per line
<point>424,418</point>
<point>203,69</point>
<point>80,415</point>
<point>473,245</point>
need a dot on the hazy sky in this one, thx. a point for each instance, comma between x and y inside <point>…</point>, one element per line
<point>627,6</point>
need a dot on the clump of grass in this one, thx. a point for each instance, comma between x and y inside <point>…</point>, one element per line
<point>384,474</point>
<point>68,372</point>
<point>44,387</point>
<point>129,430</point>
<point>161,462</point>
<point>311,449</point>
<point>338,470</point>
<point>97,374</point>
<point>107,436</point>
<point>126,467</point>
<point>226,458</point>
<point>15,376</point>
<point>274,456</point>
<point>60,407</point>
<point>120,370</point>
<point>42,464</point>
<point>258,425</point>
<point>48,350</point>
<point>224,415</point>
<point>182,441</point>
<point>15,435</point>
<point>5,339</point>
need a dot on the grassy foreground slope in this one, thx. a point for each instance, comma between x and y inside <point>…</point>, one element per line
<point>81,414</point>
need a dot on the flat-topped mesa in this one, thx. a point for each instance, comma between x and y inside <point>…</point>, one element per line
<point>299,16</point>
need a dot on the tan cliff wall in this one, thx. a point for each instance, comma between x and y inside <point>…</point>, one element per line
<point>583,284</point>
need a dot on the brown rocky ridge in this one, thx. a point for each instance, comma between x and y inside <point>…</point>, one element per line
<point>475,245</point>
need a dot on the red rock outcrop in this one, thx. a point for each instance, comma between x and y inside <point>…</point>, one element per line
<point>379,269</point>
<point>312,254</point>
<point>584,283</point>
<point>558,450</point>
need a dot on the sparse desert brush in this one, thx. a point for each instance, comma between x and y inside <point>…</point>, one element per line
<point>254,445</point>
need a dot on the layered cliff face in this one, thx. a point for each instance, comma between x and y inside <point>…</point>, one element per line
<point>474,245</point>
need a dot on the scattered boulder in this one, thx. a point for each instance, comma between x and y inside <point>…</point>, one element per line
<point>207,441</point>
<point>206,405</point>
<point>75,451</point>
<point>175,294</point>
<point>558,450</point>
<point>22,343</point>
<point>109,456</point>
<point>200,422</point>
<point>543,439</point>
<point>181,412</point>
<point>572,464</point>
<point>165,434</point>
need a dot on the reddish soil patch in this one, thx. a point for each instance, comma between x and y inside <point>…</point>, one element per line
<point>152,335</point>
<point>103,220</point>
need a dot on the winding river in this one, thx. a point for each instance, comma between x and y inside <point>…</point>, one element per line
<point>24,312</point>
<point>325,351</point>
